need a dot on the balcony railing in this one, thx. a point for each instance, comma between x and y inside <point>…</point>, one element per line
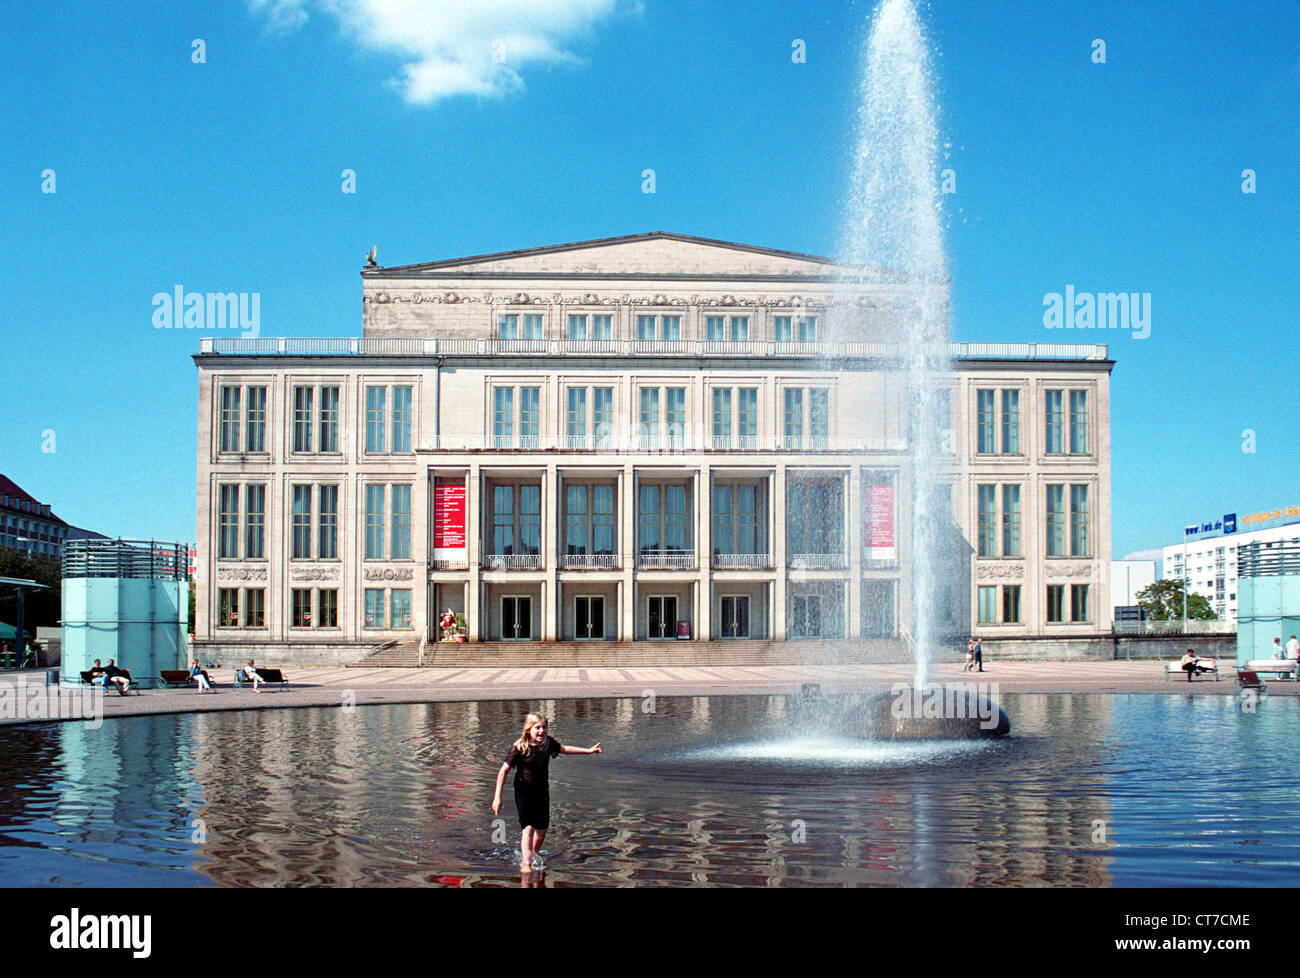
<point>665,560</point>
<point>819,561</point>
<point>443,564</point>
<point>488,347</point>
<point>742,561</point>
<point>589,561</point>
<point>512,561</point>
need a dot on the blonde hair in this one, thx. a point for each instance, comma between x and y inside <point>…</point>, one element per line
<point>522,744</point>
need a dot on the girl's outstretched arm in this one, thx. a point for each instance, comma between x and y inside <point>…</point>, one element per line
<point>581,750</point>
<point>501,779</point>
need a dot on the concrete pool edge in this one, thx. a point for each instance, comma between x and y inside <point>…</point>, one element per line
<point>336,687</point>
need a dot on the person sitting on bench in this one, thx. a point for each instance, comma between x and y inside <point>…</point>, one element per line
<point>114,676</point>
<point>250,671</point>
<point>96,673</point>
<point>200,677</point>
<point>1192,665</point>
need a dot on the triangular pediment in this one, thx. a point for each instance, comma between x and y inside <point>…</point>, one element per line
<point>656,254</point>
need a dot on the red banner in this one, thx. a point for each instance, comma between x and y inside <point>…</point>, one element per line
<point>449,517</point>
<point>882,516</point>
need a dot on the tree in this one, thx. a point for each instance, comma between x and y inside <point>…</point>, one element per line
<point>1163,601</point>
<point>40,608</point>
<point>192,604</point>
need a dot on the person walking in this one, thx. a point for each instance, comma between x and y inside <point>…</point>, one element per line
<point>1293,648</point>
<point>979,653</point>
<point>970,655</point>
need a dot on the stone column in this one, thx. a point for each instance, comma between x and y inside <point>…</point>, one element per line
<point>777,482</point>
<point>627,545</point>
<point>475,501</point>
<point>704,547</point>
<point>853,548</point>
<point>550,550</point>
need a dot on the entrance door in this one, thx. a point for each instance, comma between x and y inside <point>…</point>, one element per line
<point>516,618</point>
<point>662,622</point>
<point>735,616</point>
<point>805,616</point>
<point>589,618</point>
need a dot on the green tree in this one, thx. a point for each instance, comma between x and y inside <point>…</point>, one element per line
<point>39,607</point>
<point>192,604</point>
<point>1163,601</point>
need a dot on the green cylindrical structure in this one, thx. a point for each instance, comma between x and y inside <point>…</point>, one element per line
<point>1268,597</point>
<point>125,600</point>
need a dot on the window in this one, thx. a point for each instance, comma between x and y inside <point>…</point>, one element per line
<point>227,522</point>
<point>301,525</point>
<point>578,435</point>
<point>722,328</point>
<point>376,418</point>
<point>1010,604</point>
<point>794,418</point>
<point>577,328</point>
<point>301,608</point>
<point>530,399</point>
<point>374,608</point>
<point>815,433</point>
<point>1079,603</point>
<point>601,327</point>
<point>1056,521</point>
<point>1079,521</point>
<point>399,601</point>
<point>747,418</point>
<point>327,522</point>
<point>374,545</point>
<point>788,329</point>
<point>814,517</point>
<point>328,601</point>
<point>401,419</point>
<point>329,419</point>
<point>509,326</point>
<point>1010,521</point>
<point>589,520</point>
<point>1078,422</point>
<point>736,519</point>
<point>302,411</point>
<point>255,608</point>
<point>228,607</point>
<point>254,522</point>
<point>503,417</point>
<point>984,423</point>
<point>384,434</point>
<point>516,519</point>
<point>988,605</point>
<point>505,423</point>
<point>676,416</point>
<point>1054,440</point>
<point>229,420</point>
<point>1055,602</point>
<point>988,521</point>
<point>673,433</point>
<point>987,426</point>
<point>663,527</point>
<point>1011,422</point>
<point>722,417</point>
<point>400,497</point>
<point>576,417</point>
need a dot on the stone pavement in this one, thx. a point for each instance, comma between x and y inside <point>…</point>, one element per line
<point>332,687</point>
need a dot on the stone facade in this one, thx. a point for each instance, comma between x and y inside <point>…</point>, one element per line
<point>689,498</point>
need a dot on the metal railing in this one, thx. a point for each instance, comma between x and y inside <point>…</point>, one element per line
<point>125,558</point>
<point>1268,559</point>
<point>492,346</point>
<point>589,561</point>
<point>512,561</point>
<point>741,561</point>
<point>665,560</point>
<point>1176,626</point>
<point>819,561</point>
<point>444,564</point>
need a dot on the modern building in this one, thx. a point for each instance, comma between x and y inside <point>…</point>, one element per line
<point>651,437</point>
<point>1208,556</point>
<point>27,524</point>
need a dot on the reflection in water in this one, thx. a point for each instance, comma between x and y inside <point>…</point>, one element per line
<point>721,791</point>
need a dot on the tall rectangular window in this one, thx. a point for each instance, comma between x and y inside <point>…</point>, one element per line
<point>988,605</point>
<point>1078,422</point>
<point>794,417</point>
<point>602,520</point>
<point>1055,603</point>
<point>1011,422</point>
<point>255,420</point>
<point>645,328</point>
<point>254,522</point>
<point>722,539</point>
<point>302,418</point>
<point>228,607</point>
<point>649,417</point>
<point>1055,506</point>
<point>400,603</point>
<point>503,417</point>
<point>985,421</point>
<point>671,327</point>
<point>530,520</point>
<point>327,522</point>
<point>328,601</point>
<point>739,329</point>
<point>255,607</point>
<point>1054,413</point>
<point>602,416</point>
<point>402,419</point>
<point>301,608</point>
<point>819,417</point>
<point>735,519</point>
<point>576,417</point>
<point>1011,604</point>
<point>988,521</point>
<point>721,417</point>
<point>1079,603</point>
<point>301,528</point>
<point>1010,521</point>
<point>747,417</point>
<point>577,328</point>
<point>602,327</point>
<point>503,519</point>
<point>674,527</point>
<point>1079,521</point>
<point>329,419</point>
<point>374,608</point>
<point>400,540</point>
<point>675,416</point>
<point>575,517</point>
<point>532,326</point>
<point>715,328</point>
<point>229,420</point>
<point>530,417</point>
<point>227,522</point>
<point>508,327</point>
<point>374,522</point>
<point>376,419</point>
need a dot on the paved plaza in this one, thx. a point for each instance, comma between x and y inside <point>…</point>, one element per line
<point>333,687</point>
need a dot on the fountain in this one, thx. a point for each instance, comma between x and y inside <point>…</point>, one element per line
<point>894,223</point>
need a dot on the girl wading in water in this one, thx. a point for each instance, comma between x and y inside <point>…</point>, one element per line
<point>530,756</point>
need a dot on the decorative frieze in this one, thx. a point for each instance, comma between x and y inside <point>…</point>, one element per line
<point>304,574</point>
<point>1012,572</point>
<point>389,573</point>
<point>228,573</point>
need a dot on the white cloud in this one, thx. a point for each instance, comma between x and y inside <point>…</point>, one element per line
<point>457,47</point>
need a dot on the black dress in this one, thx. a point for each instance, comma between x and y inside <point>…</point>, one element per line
<point>532,789</point>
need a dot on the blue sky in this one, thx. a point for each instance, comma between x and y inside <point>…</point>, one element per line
<point>225,176</point>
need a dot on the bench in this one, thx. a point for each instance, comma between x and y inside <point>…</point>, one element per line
<point>272,677</point>
<point>1175,668</point>
<point>179,677</point>
<point>1250,680</point>
<point>88,680</point>
<point>1282,668</point>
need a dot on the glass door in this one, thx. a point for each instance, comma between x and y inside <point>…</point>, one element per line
<point>662,622</point>
<point>735,616</point>
<point>516,618</point>
<point>806,616</point>
<point>589,618</point>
